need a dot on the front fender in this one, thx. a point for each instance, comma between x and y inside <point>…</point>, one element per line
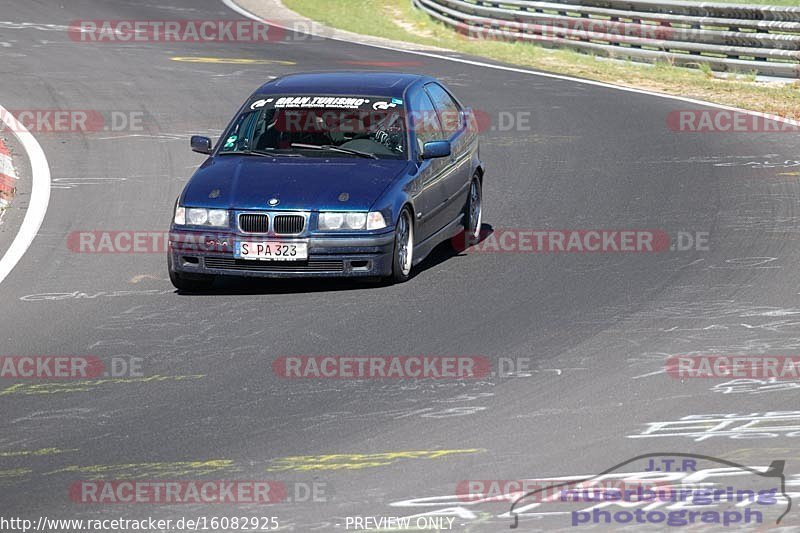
<point>398,195</point>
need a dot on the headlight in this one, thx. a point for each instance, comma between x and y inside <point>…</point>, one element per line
<point>331,220</point>
<point>196,216</point>
<point>217,217</point>
<point>350,221</point>
<point>355,220</point>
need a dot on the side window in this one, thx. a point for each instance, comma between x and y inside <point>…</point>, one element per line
<point>423,120</point>
<point>449,111</point>
<point>240,132</point>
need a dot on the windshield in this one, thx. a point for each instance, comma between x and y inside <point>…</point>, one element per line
<point>320,126</point>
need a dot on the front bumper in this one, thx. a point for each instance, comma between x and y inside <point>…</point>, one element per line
<point>193,252</point>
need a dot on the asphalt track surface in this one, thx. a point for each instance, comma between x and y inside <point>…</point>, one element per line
<point>595,327</point>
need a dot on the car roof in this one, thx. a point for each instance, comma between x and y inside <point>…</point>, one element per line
<point>366,83</point>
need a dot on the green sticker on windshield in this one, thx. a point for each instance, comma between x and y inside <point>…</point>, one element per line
<point>231,141</point>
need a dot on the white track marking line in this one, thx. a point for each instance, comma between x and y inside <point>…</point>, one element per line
<point>40,194</point>
<point>232,5</point>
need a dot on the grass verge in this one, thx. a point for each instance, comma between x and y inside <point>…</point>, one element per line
<point>401,21</point>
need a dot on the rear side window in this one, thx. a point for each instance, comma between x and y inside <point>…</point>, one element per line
<point>449,111</point>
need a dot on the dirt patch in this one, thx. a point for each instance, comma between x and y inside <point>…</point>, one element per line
<point>396,15</point>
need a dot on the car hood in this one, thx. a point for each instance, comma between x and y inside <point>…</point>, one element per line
<point>249,182</point>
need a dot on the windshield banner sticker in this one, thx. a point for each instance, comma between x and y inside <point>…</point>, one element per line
<point>329,102</point>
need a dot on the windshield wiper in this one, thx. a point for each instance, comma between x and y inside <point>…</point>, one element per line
<point>332,148</point>
<point>244,152</point>
<point>259,153</point>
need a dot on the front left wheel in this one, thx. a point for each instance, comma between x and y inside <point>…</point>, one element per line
<point>403,257</point>
<point>473,212</point>
<point>472,217</point>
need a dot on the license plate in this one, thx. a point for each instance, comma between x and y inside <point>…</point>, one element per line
<point>271,251</point>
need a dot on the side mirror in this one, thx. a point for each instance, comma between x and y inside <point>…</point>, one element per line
<point>201,145</point>
<point>436,149</point>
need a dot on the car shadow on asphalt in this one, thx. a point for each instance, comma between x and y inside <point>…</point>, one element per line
<point>233,286</point>
<point>449,249</point>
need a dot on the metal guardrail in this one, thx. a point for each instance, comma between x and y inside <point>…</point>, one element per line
<point>726,37</point>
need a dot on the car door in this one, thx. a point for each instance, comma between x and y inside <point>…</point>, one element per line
<point>431,191</point>
<point>453,122</point>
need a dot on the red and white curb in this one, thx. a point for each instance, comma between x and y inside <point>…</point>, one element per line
<point>40,193</point>
<point>8,176</point>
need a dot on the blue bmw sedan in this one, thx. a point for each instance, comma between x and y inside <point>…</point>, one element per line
<point>346,174</point>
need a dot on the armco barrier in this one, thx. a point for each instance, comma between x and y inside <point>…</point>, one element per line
<point>726,37</point>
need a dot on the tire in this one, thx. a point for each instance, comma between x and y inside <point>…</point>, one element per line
<point>403,256</point>
<point>473,212</point>
<point>471,233</point>
<point>191,283</point>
